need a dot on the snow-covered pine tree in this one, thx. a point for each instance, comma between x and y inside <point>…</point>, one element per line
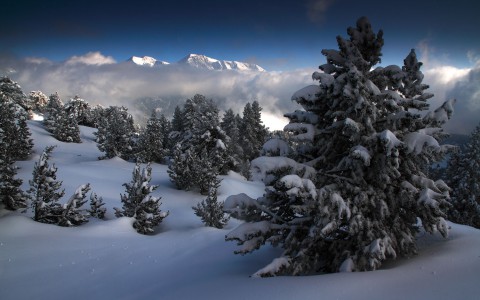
<point>115,133</point>
<point>44,191</point>
<point>11,194</point>
<point>38,101</point>
<point>253,132</point>
<point>181,169</point>
<point>72,214</point>
<point>139,204</point>
<point>13,91</point>
<point>66,128</point>
<point>81,111</point>
<point>150,146</point>
<point>16,133</point>
<point>230,125</point>
<point>52,110</point>
<point>202,134</point>
<point>367,145</point>
<point>210,210</point>
<point>96,210</point>
<point>463,176</point>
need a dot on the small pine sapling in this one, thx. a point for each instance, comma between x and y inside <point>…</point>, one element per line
<point>72,214</point>
<point>210,210</point>
<point>96,210</point>
<point>139,204</point>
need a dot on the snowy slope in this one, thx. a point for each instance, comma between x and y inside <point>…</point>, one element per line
<point>184,259</point>
<point>208,63</point>
<point>147,61</point>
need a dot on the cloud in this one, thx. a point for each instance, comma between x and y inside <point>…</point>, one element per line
<point>91,58</point>
<point>447,82</point>
<point>122,83</point>
<point>317,9</point>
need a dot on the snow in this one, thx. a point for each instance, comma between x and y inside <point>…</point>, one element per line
<point>308,93</point>
<point>261,166</point>
<point>208,63</point>
<point>186,260</point>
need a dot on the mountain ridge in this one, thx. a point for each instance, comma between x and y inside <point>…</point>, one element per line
<point>199,61</point>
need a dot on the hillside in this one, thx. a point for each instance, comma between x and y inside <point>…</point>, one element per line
<point>184,259</point>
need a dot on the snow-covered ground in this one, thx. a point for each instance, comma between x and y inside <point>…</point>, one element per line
<point>184,259</point>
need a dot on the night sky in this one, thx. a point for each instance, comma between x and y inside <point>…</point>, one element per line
<point>278,35</point>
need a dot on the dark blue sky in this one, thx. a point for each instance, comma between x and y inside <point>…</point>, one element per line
<point>278,35</point>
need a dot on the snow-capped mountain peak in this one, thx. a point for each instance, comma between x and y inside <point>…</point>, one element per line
<point>205,62</point>
<point>147,61</point>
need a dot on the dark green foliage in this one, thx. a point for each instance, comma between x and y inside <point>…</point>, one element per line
<point>66,128</point>
<point>44,191</point>
<point>201,151</point>
<point>96,210</point>
<point>139,204</point>
<point>52,110</point>
<point>368,146</point>
<point>72,214</point>
<point>115,133</point>
<point>463,176</point>
<point>210,210</point>
<point>150,145</point>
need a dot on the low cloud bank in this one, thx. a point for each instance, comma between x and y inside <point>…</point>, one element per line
<point>100,80</point>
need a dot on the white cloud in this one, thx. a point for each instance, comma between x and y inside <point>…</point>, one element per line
<point>91,58</point>
<point>121,83</point>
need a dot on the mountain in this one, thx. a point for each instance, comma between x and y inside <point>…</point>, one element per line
<point>147,61</point>
<point>205,62</point>
<point>199,61</point>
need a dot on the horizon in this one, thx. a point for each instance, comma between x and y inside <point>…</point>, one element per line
<point>75,47</point>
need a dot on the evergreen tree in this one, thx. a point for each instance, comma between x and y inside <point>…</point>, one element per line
<point>44,191</point>
<point>72,214</point>
<point>463,176</point>
<point>358,198</point>
<point>16,134</point>
<point>253,132</point>
<point>38,101</point>
<point>202,148</point>
<point>52,110</point>
<point>181,169</point>
<point>138,203</point>
<point>115,133</point>
<point>150,147</point>
<point>13,91</point>
<point>96,210</point>
<point>66,128</point>
<point>210,210</point>
<point>79,109</point>
<point>230,125</point>
<point>10,192</point>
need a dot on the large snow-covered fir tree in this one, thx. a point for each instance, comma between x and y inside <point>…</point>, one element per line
<point>115,133</point>
<point>139,204</point>
<point>38,101</point>
<point>45,191</point>
<point>463,176</point>
<point>358,190</point>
